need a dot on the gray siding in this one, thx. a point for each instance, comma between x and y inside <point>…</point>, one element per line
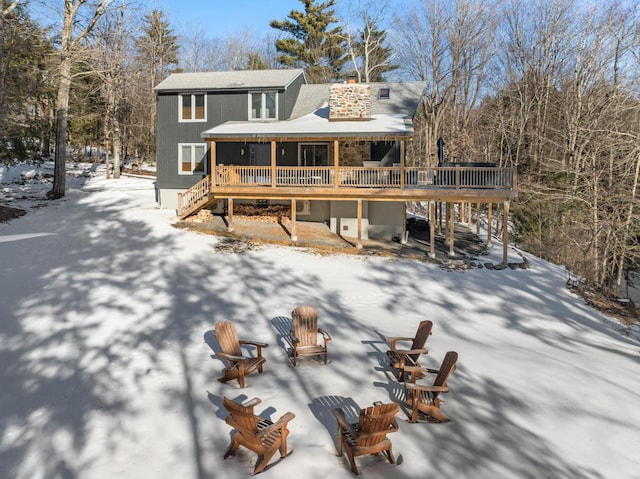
<point>221,107</point>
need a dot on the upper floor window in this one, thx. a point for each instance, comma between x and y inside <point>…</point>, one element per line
<point>193,107</point>
<point>263,105</point>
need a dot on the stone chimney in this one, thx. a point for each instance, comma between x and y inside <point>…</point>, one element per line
<point>349,102</point>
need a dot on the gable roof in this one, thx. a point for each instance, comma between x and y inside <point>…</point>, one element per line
<point>404,98</point>
<point>229,80</point>
<point>391,118</point>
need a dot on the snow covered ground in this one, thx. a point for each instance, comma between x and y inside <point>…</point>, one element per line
<point>106,352</point>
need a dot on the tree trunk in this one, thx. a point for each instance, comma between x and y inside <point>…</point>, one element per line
<point>62,106</point>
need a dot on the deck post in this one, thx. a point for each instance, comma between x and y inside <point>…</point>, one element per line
<point>478,205</point>
<point>336,167</point>
<point>230,214</point>
<point>359,241</point>
<point>505,232</point>
<point>273,164</point>
<point>402,165</point>
<point>489,222</point>
<point>451,207</point>
<point>432,229</point>
<point>294,235</point>
<point>212,154</point>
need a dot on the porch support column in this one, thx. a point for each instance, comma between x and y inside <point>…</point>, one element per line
<point>336,168</point>
<point>505,232</point>
<point>404,236</point>
<point>359,241</point>
<point>230,214</point>
<point>478,218</point>
<point>401,164</point>
<point>212,154</point>
<point>489,222</point>
<point>294,235</point>
<point>451,211</point>
<point>432,229</point>
<point>273,163</point>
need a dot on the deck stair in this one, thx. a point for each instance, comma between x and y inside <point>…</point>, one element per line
<point>195,198</point>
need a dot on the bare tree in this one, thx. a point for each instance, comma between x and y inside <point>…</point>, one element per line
<point>71,37</point>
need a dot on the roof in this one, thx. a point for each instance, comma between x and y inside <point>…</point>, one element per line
<point>404,98</point>
<point>229,80</point>
<point>314,125</point>
<point>390,118</point>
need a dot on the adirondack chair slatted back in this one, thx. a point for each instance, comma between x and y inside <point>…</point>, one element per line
<point>420,339</point>
<point>242,416</point>
<point>305,325</point>
<point>228,338</point>
<point>447,367</point>
<point>375,422</point>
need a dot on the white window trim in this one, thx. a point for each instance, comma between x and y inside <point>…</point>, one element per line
<point>193,161</point>
<point>263,108</point>
<point>193,103</point>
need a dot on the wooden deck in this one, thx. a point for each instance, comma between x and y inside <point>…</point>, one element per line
<point>449,184</point>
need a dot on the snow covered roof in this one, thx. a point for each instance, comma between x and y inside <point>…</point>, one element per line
<point>229,80</point>
<point>314,124</point>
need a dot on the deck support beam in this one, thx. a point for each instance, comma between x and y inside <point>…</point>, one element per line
<point>230,214</point>
<point>294,235</point>
<point>505,232</point>
<point>432,229</point>
<point>451,214</point>
<point>359,240</point>
<point>489,223</point>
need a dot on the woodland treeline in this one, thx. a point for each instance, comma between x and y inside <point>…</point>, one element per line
<point>550,87</point>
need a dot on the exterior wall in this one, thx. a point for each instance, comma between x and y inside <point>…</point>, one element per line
<point>354,152</point>
<point>344,219</point>
<point>386,219</point>
<point>221,107</point>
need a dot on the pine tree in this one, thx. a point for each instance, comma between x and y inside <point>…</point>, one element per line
<point>311,44</point>
<point>157,56</point>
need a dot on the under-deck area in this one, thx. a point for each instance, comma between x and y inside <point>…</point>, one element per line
<point>455,188</point>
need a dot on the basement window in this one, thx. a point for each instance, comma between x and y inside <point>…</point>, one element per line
<point>384,93</point>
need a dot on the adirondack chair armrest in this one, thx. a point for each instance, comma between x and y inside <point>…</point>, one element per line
<point>392,340</point>
<point>406,352</point>
<point>326,336</point>
<point>231,357</point>
<point>294,339</point>
<point>430,389</point>
<point>342,422</point>
<point>257,344</point>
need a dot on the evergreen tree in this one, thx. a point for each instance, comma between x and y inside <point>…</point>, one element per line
<point>311,44</point>
<point>157,56</point>
<point>26,90</point>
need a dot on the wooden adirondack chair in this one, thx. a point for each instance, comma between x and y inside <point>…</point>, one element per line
<point>369,435</point>
<point>238,365</point>
<point>426,399</point>
<point>399,358</point>
<point>256,433</point>
<point>306,333</point>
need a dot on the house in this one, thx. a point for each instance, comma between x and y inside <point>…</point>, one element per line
<point>335,153</point>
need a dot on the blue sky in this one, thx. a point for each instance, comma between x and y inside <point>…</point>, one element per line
<point>223,17</point>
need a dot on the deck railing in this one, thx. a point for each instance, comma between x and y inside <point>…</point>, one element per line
<point>194,196</point>
<point>366,177</point>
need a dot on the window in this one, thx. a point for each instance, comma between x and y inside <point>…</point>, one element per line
<point>192,158</point>
<point>313,154</point>
<point>193,107</point>
<point>384,93</point>
<point>263,106</point>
